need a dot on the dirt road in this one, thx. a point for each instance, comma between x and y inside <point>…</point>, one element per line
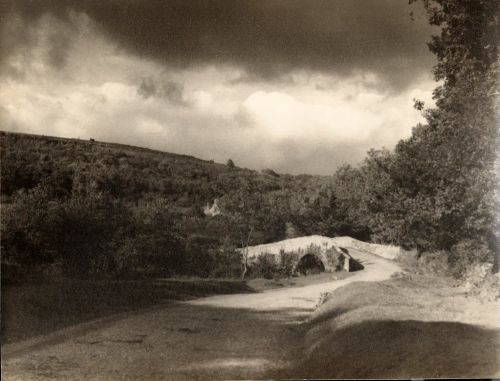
<point>237,336</point>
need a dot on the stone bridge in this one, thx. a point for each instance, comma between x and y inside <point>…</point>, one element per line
<point>332,257</point>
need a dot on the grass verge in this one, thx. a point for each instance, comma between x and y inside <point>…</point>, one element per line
<point>402,328</point>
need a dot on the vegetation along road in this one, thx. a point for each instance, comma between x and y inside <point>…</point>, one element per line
<point>225,337</point>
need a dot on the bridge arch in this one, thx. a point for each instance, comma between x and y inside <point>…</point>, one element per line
<point>310,264</point>
<point>323,261</point>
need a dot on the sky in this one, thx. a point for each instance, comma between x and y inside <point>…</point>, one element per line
<point>298,86</point>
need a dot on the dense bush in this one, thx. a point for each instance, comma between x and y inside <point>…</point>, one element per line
<point>198,255</point>
<point>83,229</point>
<point>436,263</point>
<point>265,266</point>
<point>467,254</point>
<point>27,239</point>
<point>93,209</point>
<point>288,263</point>
<point>458,262</point>
<point>436,192</point>
<point>226,261</point>
<point>88,235</point>
<point>313,249</point>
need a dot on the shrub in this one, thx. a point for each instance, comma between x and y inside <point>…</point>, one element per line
<point>199,255</point>
<point>157,241</point>
<point>226,261</point>
<point>314,249</point>
<point>323,298</point>
<point>265,266</point>
<point>27,239</point>
<point>288,263</point>
<point>126,257</point>
<point>436,262</point>
<point>408,259</point>
<point>87,235</point>
<point>85,229</point>
<point>466,255</point>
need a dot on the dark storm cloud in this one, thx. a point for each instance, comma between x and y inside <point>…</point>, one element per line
<point>169,90</point>
<point>266,38</point>
<point>58,46</point>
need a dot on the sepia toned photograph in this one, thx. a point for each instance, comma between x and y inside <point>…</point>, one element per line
<point>249,189</point>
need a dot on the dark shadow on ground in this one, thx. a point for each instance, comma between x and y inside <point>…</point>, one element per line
<point>244,343</point>
<point>355,265</point>
<point>402,349</point>
<point>37,309</point>
<point>181,342</point>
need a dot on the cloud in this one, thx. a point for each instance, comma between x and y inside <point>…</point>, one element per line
<point>307,118</point>
<point>282,116</point>
<point>170,90</point>
<point>266,39</point>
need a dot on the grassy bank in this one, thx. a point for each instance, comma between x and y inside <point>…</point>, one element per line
<point>411,327</point>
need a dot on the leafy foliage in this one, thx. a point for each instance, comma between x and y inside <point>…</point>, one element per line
<point>93,209</point>
<point>100,209</point>
<point>288,263</point>
<point>265,266</point>
<point>436,191</point>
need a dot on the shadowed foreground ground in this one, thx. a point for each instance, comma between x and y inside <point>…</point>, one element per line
<point>226,336</point>
<point>182,343</point>
<point>262,335</point>
<point>404,349</point>
<point>31,310</point>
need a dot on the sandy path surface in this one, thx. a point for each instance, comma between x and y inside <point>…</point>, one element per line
<point>236,336</point>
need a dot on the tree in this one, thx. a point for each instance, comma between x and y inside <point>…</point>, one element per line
<point>444,173</point>
<point>230,163</point>
<point>241,211</point>
<point>157,240</point>
<point>84,228</point>
<point>27,239</point>
<point>351,215</point>
<point>253,217</point>
<point>436,192</point>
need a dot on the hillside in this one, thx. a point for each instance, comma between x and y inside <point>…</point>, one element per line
<point>133,172</point>
<point>139,203</point>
